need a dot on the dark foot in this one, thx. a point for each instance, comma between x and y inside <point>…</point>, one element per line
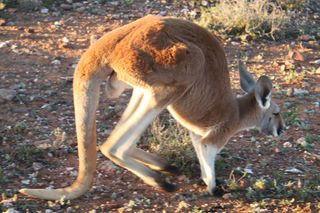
<point>168,187</point>
<point>170,169</point>
<point>220,182</point>
<point>220,187</point>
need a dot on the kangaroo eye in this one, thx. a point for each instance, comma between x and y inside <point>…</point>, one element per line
<point>276,113</point>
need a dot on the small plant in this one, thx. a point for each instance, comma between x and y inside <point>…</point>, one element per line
<point>256,18</point>
<point>27,154</point>
<point>292,76</point>
<point>173,143</point>
<point>260,184</point>
<point>20,126</point>
<point>291,117</point>
<point>128,2</point>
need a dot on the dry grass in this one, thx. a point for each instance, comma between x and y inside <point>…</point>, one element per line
<point>170,140</point>
<point>256,17</point>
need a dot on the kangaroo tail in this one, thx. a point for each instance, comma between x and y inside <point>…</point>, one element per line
<point>86,85</point>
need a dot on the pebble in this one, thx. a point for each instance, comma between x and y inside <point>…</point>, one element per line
<point>294,170</point>
<point>107,166</point>
<point>77,4</point>
<point>11,210</point>
<point>302,142</point>
<point>4,44</point>
<point>305,38</point>
<point>296,55</point>
<point>287,144</point>
<point>37,166</point>
<point>317,62</point>
<point>66,6</point>
<point>56,62</point>
<point>227,196</point>
<point>69,209</point>
<point>296,92</point>
<point>48,211</point>
<point>44,10</point>
<point>2,22</point>
<point>163,13</point>
<point>204,3</point>
<point>65,40</point>
<point>113,196</point>
<point>114,3</point>
<point>43,144</point>
<point>7,94</point>
<point>26,182</point>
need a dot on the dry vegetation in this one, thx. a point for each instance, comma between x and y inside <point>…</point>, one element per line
<point>256,18</point>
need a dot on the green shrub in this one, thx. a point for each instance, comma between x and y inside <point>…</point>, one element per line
<point>168,139</point>
<point>256,18</point>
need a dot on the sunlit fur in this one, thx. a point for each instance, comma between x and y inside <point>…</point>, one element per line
<point>169,63</point>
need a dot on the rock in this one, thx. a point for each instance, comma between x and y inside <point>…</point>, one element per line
<point>43,144</point>
<point>25,182</point>
<point>302,142</point>
<point>56,62</point>
<point>29,5</point>
<point>66,6</point>
<point>11,210</point>
<point>316,62</point>
<point>77,5</point>
<point>48,211</point>
<point>65,40</point>
<point>294,170</point>
<point>2,22</point>
<point>69,209</point>
<point>300,91</point>
<point>296,55</point>
<point>107,166</point>
<point>305,84</point>
<point>287,144</point>
<point>204,3</point>
<point>163,13</point>
<point>227,196</point>
<point>113,196</point>
<point>81,9</point>
<point>305,38</point>
<point>44,10</point>
<point>114,3</point>
<point>7,94</point>
<point>290,91</point>
<point>37,166</point>
<point>4,44</point>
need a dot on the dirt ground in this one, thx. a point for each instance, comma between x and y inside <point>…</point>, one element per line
<point>38,54</point>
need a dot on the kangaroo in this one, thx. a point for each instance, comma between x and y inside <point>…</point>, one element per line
<point>170,64</point>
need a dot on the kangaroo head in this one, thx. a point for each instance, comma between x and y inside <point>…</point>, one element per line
<point>267,117</point>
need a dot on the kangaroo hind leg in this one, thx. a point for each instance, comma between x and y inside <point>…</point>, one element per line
<point>120,146</point>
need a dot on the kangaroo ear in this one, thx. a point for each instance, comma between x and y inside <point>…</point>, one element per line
<point>263,91</point>
<point>247,81</point>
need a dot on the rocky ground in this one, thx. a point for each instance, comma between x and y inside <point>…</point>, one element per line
<point>38,53</point>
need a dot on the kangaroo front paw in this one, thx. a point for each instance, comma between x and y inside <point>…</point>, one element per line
<point>220,182</point>
<point>220,187</point>
<point>168,187</point>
